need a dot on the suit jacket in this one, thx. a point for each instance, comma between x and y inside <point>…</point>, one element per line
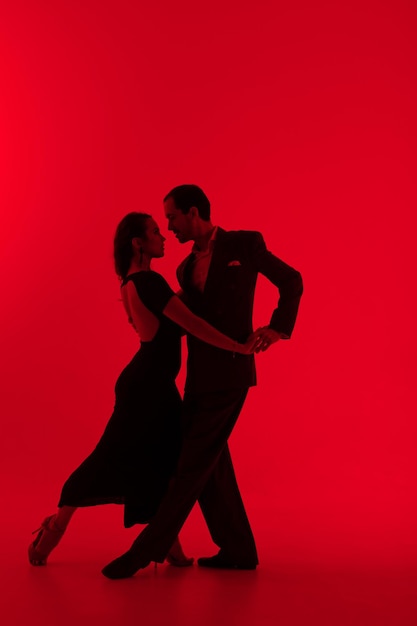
<point>227,304</point>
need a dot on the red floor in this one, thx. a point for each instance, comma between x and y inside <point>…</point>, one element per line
<point>310,574</point>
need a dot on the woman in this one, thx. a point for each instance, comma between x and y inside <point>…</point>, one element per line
<point>137,453</point>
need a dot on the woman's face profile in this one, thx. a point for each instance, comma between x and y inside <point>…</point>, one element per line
<point>153,241</point>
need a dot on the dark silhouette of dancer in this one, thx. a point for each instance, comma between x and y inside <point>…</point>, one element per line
<point>218,282</point>
<point>138,451</point>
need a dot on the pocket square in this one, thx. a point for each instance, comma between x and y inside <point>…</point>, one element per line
<point>234,264</point>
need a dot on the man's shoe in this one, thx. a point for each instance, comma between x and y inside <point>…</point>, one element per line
<point>219,561</point>
<point>124,566</point>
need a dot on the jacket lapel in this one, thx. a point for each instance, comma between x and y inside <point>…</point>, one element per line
<point>218,262</point>
<point>184,272</point>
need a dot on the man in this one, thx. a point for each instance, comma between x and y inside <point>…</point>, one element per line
<point>218,283</point>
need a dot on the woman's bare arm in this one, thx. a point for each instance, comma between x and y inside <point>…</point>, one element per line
<point>181,315</point>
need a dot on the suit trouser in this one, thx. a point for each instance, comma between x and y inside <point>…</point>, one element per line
<point>204,473</point>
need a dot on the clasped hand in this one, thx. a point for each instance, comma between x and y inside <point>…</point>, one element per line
<point>261,339</point>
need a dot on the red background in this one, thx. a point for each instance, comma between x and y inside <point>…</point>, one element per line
<point>298,120</point>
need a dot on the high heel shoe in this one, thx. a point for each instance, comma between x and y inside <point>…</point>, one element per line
<point>177,557</point>
<point>184,561</point>
<point>47,539</point>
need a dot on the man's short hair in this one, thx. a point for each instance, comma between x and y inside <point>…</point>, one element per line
<point>186,196</point>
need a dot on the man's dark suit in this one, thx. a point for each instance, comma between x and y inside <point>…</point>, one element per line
<point>227,304</point>
<point>216,387</point>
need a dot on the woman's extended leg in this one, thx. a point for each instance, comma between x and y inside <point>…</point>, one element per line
<point>49,535</point>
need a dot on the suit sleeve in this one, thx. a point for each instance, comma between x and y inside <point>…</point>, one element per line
<point>287,279</point>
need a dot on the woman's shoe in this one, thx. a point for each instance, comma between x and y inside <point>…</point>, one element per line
<point>176,555</point>
<point>48,537</point>
<point>179,562</point>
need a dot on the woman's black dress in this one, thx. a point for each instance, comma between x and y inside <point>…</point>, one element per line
<point>137,453</point>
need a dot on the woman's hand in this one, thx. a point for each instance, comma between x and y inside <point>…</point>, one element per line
<point>250,346</point>
<point>266,336</point>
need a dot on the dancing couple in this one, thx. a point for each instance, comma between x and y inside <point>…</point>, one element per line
<point>159,454</point>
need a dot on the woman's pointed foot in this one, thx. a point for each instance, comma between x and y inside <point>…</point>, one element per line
<point>184,561</point>
<point>177,557</point>
<point>124,566</point>
<point>48,537</point>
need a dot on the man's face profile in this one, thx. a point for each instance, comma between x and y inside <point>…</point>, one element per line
<point>178,222</point>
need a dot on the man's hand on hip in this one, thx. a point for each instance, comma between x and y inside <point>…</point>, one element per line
<point>266,336</point>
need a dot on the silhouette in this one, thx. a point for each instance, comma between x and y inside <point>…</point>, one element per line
<point>138,451</point>
<point>218,283</point>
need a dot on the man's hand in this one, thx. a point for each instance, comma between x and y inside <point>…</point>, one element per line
<point>266,336</point>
